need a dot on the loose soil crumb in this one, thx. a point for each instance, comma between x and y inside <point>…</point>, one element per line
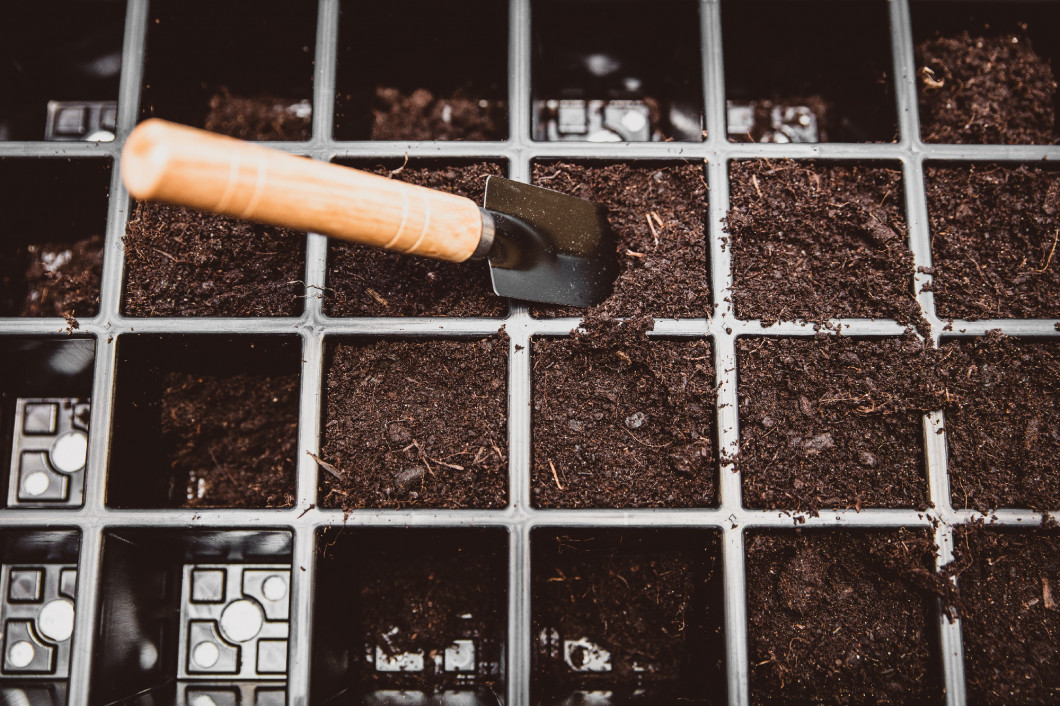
<point>842,618</point>
<point>422,115</point>
<point>648,605</point>
<point>1003,422</point>
<point>623,421</point>
<point>985,90</point>
<point>831,422</point>
<point>259,117</point>
<point>658,213</point>
<point>230,439</point>
<point>52,278</point>
<point>365,281</point>
<point>1010,614</point>
<point>994,232</point>
<point>816,241</point>
<point>416,424</point>
<point>183,262</point>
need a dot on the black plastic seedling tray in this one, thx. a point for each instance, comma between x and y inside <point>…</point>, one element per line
<point>288,599</point>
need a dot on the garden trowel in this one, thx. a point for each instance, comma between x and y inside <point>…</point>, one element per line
<point>541,245</point>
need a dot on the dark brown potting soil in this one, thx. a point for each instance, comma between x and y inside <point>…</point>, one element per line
<point>658,213</point>
<point>1009,586</point>
<point>415,424</point>
<point>833,422</point>
<point>994,232</point>
<point>259,117</point>
<point>422,115</point>
<point>183,262</point>
<point>365,281</point>
<point>651,607</point>
<point>985,90</point>
<point>52,279</point>
<point>230,439</point>
<point>423,602</point>
<point>623,421</point>
<point>815,241</point>
<point>1003,422</point>
<point>842,618</point>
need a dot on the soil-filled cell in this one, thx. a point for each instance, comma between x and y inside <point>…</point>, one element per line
<point>243,68</point>
<point>205,421</point>
<point>658,212</point>
<point>423,611</point>
<point>842,617</point>
<point>994,233</point>
<point>365,281</point>
<point>620,420</point>
<point>814,241</point>
<point>415,424</point>
<point>635,613</point>
<point>828,61</point>
<point>421,70</point>
<point>1003,422</point>
<point>985,72</point>
<point>51,244</point>
<point>1009,585</point>
<point>832,422</point>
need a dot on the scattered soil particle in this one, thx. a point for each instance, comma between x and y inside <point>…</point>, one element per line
<point>416,424</point>
<point>1010,614</point>
<point>231,439</point>
<point>1003,422</point>
<point>650,600</point>
<point>422,115</point>
<point>833,422</point>
<point>815,241</point>
<point>985,90</point>
<point>623,421</point>
<point>414,600</point>
<point>658,213</point>
<point>183,262</point>
<point>994,232</point>
<point>842,618</point>
<point>365,281</point>
<point>259,117</point>
<point>52,278</point>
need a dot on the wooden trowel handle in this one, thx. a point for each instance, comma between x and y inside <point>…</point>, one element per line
<point>163,161</point>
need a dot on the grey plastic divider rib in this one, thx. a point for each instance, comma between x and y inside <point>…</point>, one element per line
<point>304,520</point>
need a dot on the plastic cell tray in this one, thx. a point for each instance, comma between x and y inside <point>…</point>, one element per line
<point>149,580</point>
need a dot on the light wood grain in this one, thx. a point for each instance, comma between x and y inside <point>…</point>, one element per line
<point>164,161</point>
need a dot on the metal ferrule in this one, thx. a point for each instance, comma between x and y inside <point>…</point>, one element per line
<point>489,229</point>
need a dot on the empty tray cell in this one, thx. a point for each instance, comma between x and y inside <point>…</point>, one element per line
<point>51,246</point>
<point>45,410</point>
<point>1003,422</point>
<point>833,422</point>
<point>187,614</point>
<point>842,617</point>
<point>986,71</point>
<point>410,616</point>
<point>241,68</point>
<point>658,212</point>
<point>994,231</point>
<point>626,614</point>
<point>625,71</point>
<point>808,71</point>
<point>205,421</point>
<point>365,281</point>
<point>417,424</point>
<point>64,55</point>
<point>1009,584</point>
<point>38,598</point>
<point>621,420</point>
<point>444,76</point>
<point>815,241</point>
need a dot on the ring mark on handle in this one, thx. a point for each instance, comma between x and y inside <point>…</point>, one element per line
<point>426,224</point>
<point>230,186</point>
<point>404,218</point>
<point>259,187</point>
